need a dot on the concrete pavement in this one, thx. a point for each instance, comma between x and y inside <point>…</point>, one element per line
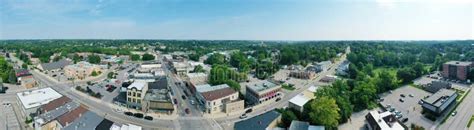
<point>460,120</point>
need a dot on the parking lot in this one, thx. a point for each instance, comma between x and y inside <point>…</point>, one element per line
<point>409,108</point>
<point>101,87</point>
<point>8,120</point>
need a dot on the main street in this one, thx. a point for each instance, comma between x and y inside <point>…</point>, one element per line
<point>460,120</point>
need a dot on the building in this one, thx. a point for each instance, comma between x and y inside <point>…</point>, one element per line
<point>436,85</point>
<point>456,70</point>
<point>302,74</point>
<point>322,66</point>
<point>81,70</point>
<point>135,94</point>
<point>262,91</point>
<point>53,66</point>
<point>68,118</point>
<point>219,98</point>
<point>46,120</point>
<point>301,99</point>
<point>87,121</point>
<point>25,78</point>
<point>328,78</point>
<point>439,101</point>
<point>195,79</point>
<point>265,121</point>
<point>181,68</point>
<point>300,125</point>
<point>383,121</point>
<point>151,65</point>
<point>31,100</point>
<point>158,97</point>
<point>343,68</point>
<point>56,103</point>
<point>116,126</point>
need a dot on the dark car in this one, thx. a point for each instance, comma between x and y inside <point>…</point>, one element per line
<point>401,100</point>
<point>186,110</point>
<point>128,113</point>
<point>184,97</point>
<point>249,110</point>
<point>148,118</point>
<point>278,99</point>
<point>138,115</point>
<point>404,120</point>
<point>175,101</point>
<point>402,95</point>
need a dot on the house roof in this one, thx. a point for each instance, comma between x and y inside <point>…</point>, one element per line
<point>259,122</point>
<point>22,72</point>
<point>55,104</point>
<point>71,116</point>
<point>299,100</point>
<point>88,121</point>
<point>35,98</point>
<point>219,93</point>
<point>57,112</point>
<point>55,65</point>
<point>460,63</point>
<point>298,125</point>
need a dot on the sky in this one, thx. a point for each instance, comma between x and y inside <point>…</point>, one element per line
<point>238,19</point>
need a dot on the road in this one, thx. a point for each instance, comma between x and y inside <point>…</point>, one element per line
<point>460,120</point>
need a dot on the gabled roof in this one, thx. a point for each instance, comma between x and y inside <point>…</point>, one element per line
<point>55,65</point>
<point>69,117</point>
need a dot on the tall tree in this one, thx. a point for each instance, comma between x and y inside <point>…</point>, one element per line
<point>148,57</point>
<point>322,111</point>
<point>93,59</point>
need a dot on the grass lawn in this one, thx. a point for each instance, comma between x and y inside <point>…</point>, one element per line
<point>390,70</point>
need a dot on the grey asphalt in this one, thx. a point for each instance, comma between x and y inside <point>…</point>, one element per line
<point>465,111</point>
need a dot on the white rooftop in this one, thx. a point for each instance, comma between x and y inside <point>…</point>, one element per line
<point>383,125</point>
<point>312,89</point>
<point>299,100</point>
<point>207,87</point>
<point>137,85</point>
<point>36,98</point>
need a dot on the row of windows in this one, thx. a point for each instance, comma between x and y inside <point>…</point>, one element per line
<point>135,94</point>
<point>134,100</point>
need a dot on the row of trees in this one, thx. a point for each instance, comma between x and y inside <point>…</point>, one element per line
<point>144,57</point>
<point>222,74</point>
<point>7,73</point>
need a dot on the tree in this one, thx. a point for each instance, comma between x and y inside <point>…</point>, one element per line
<point>215,58</point>
<point>288,116</point>
<point>386,81</point>
<point>76,58</point>
<point>135,57</point>
<point>363,94</point>
<point>322,111</point>
<point>94,73</point>
<point>199,69</point>
<point>57,58</point>
<point>24,66</point>
<point>148,57</point>
<point>93,59</point>
<point>406,74</point>
<point>240,61</point>
<point>12,77</point>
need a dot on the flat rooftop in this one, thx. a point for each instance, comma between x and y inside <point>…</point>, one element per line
<point>36,98</point>
<point>61,110</point>
<point>383,120</point>
<point>461,63</point>
<point>299,100</point>
<point>261,85</point>
<point>439,97</point>
<point>207,87</point>
<point>137,85</point>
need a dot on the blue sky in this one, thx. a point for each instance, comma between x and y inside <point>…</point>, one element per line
<point>238,19</point>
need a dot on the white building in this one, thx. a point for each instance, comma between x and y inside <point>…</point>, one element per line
<point>31,100</point>
<point>136,93</point>
<point>383,121</point>
<point>301,99</point>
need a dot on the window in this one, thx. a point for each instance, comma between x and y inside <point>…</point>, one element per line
<point>139,101</point>
<point>214,103</point>
<point>139,95</point>
<point>134,100</point>
<point>129,93</point>
<point>129,100</point>
<point>134,94</point>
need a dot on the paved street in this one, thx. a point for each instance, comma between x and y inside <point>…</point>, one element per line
<point>465,111</point>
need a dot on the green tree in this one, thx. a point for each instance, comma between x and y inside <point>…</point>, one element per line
<point>148,57</point>
<point>76,58</point>
<point>94,73</point>
<point>93,59</point>
<point>12,77</point>
<point>363,94</point>
<point>215,58</point>
<point>240,61</point>
<point>134,57</point>
<point>322,111</point>
<point>57,58</point>
<point>406,74</point>
<point>199,69</point>
<point>386,81</point>
<point>288,116</point>
<point>24,66</point>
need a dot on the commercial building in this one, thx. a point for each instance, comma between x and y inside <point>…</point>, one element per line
<point>300,125</point>
<point>322,66</point>
<point>158,97</point>
<point>117,126</point>
<point>438,102</point>
<point>301,99</point>
<point>81,70</point>
<point>265,121</point>
<point>219,98</point>
<point>53,66</point>
<point>343,68</point>
<point>383,121</point>
<point>181,68</point>
<point>262,91</point>
<point>456,70</point>
<point>46,120</point>
<point>436,85</point>
<point>135,94</point>
<point>302,74</point>
<point>195,79</point>
<point>31,100</point>
<point>25,78</point>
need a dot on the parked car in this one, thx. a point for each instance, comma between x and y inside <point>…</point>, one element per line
<point>404,120</point>
<point>128,113</point>
<point>454,113</point>
<point>138,115</point>
<point>420,102</point>
<point>278,99</point>
<point>248,110</point>
<point>402,95</point>
<point>148,118</point>
<point>401,100</point>
<point>410,95</point>
<point>175,101</point>
<point>192,102</point>
<point>184,97</point>
<point>243,116</point>
<point>186,110</point>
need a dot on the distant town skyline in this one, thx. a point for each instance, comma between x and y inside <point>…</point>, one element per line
<point>238,19</point>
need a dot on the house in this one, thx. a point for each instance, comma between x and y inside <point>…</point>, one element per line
<point>383,121</point>
<point>219,98</point>
<point>264,121</point>
<point>262,91</point>
<point>158,97</point>
<point>439,101</point>
<point>300,125</point>
<point>53,66</point>
<point>81,70</point>
<point>68,118</point>
<point>456,70</point>
<point>135,94</point>
<point>301,99</point>
<point>321,66</point>
<point>29,101</point>
<point>343,68</point>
